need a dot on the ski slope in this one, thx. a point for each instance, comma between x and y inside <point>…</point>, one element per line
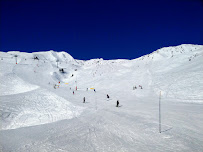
<point>39,111</point>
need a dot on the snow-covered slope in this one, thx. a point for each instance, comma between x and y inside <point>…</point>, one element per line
<point>38,105</point>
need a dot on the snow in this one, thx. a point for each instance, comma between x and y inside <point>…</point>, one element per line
<point>40,114</point>
<point>35,108</point>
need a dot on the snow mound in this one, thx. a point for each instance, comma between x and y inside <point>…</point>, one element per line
<point>35,108</point>
<point>12,84</point>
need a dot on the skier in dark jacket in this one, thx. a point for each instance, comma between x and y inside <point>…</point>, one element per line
<point>84,100</point>
<point>117,103</point>
<point>107,96</point>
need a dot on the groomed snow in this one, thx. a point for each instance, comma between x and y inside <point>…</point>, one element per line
<point>39,111</point>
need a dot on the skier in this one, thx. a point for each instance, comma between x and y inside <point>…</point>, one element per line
<point>84,100</point>
<point>94,90</point>
<point>73,92</point>
<point>135,87</point>
<point>107,96</point>
<point>117,103</point>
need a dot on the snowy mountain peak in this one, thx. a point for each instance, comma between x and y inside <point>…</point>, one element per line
<point>189,51</point>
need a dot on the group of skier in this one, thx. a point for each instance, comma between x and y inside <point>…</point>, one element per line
<point>134,87</point>
<point>117,103</point>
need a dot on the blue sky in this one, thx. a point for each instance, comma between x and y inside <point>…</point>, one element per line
<point>99,29</point>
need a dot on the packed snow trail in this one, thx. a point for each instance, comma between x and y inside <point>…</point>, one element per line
<point>40,114</point>
<point>115,129</point>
